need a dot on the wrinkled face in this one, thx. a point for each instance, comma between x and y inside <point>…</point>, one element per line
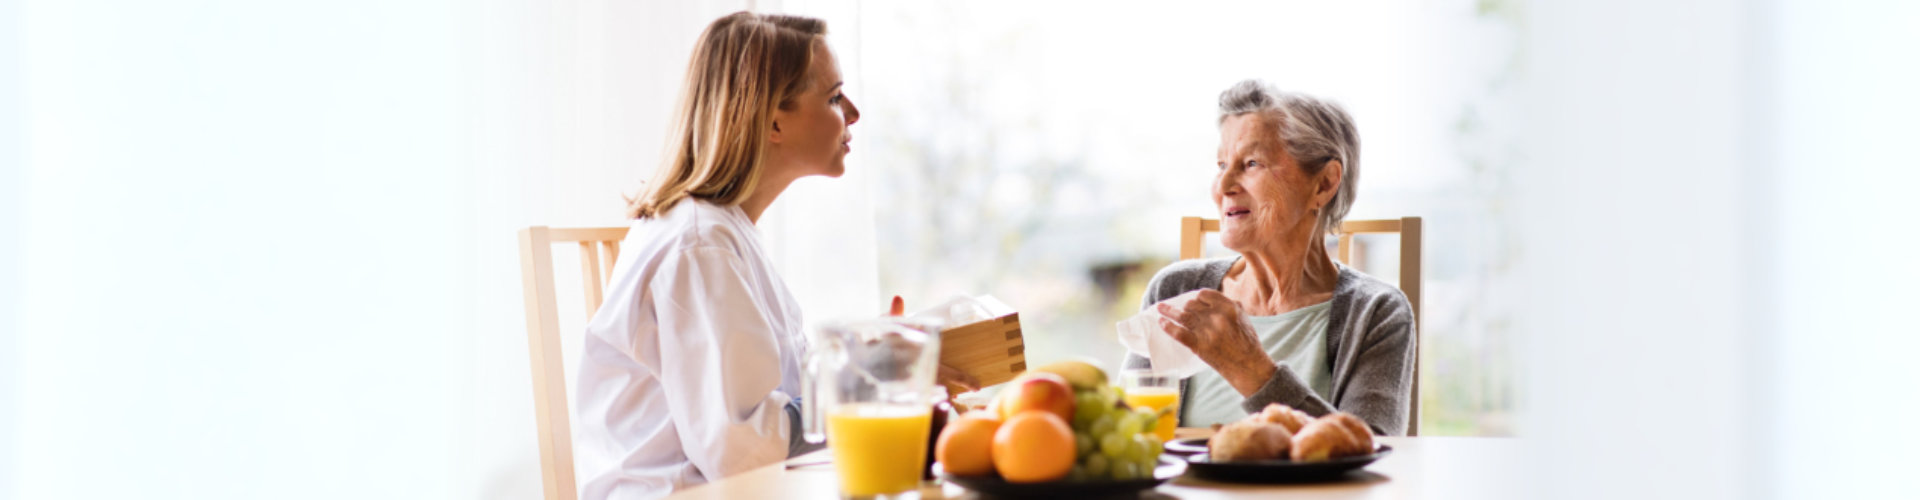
<point>1264,198</point>
<point>812,135</point>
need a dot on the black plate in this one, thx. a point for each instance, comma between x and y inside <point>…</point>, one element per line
<point>1281,471</point>
<point>992,486</point>
<point>1187,447</point>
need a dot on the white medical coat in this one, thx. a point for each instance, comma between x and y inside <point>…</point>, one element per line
<point>690,361</point>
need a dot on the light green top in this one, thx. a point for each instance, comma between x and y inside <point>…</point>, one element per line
<point>1296,338</point>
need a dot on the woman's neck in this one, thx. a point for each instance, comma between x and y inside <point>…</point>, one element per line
<point>1270,281</point>
<point>763,195</point>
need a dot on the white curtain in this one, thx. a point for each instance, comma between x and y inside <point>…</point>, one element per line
<point>13,191</point>
<point>268,250</point>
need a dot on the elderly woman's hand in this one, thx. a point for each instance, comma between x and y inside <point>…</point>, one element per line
<point>1213,326</point>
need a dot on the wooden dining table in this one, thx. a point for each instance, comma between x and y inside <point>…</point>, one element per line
<point>1418,467</point>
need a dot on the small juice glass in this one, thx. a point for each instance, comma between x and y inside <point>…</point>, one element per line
<point>878,449</point>
<point>1154,390</point>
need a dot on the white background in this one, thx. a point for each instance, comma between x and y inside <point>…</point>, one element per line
<point>253,250</point>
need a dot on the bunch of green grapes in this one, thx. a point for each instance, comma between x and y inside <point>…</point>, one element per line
<point>1112,440</point>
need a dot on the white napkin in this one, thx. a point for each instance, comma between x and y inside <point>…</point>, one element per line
<point>1141,335</point>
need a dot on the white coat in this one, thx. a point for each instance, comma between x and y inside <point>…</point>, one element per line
<point>691,360</point>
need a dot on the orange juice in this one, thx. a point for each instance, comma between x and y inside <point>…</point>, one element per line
<point>1157,398</point>
<point>878,449</point>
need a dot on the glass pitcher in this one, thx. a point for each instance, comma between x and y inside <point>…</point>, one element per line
<point>868,392</point>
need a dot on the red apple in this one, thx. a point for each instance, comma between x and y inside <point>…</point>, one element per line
<point>1037,391</point>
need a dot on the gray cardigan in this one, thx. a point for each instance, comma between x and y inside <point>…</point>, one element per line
<point>1370,339</point>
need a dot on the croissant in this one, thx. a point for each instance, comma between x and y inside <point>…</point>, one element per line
<point>1363,444</point>
<point>1284,415</point>
<point>1332,436</point>
<point>1249,440</point>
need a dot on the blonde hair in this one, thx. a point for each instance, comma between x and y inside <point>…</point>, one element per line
<point>744,66</point>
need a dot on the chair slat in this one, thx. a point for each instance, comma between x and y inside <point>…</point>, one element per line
<point>1344,250</point>
<point>1371,226</point>
<point>1411,285</point>
<point>1191,230</point>
<point>590,275</point>
<point>569,234</point>
<point>612,248</point>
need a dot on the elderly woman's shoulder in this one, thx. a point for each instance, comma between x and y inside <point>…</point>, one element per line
<point>1187,275</point>
<point>1363,288</point>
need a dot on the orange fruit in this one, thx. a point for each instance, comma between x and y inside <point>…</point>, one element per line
<point>966,446</point>
<point>1033,446</point>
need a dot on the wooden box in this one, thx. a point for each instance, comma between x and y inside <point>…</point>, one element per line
<point>992,350</point>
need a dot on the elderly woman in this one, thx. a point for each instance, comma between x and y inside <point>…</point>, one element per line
<point>1283,322</point>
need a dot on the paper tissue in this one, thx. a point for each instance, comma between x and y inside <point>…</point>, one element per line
<point>1141,335</point>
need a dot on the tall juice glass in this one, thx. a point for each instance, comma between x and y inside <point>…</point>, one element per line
<point>868,393</point>
<point>1154,390</point>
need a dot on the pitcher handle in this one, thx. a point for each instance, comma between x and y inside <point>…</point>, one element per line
<point>811,406</point>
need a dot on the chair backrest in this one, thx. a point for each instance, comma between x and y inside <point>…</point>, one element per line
<point>599,246</point>
<point>1194,229</point>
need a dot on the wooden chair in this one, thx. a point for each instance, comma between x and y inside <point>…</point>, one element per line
<point>599,246</point>
<point>1194,229</point>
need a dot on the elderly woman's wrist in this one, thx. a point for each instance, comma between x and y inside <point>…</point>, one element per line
<point>1255,375</point>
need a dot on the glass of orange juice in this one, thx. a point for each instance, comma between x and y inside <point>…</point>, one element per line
<point>868,394</point>
<point>1154,390</point>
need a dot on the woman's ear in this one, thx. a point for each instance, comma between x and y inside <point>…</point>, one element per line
<point>1329,184</point>
<point>774,136</point>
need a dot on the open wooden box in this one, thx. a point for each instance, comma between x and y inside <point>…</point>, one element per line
<point>992,350</point>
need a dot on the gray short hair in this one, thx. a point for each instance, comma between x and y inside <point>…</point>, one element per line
<point>1314,131</point>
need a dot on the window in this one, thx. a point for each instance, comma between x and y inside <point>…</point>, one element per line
<point>1044,153</point>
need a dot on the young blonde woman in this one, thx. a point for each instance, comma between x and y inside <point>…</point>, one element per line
<point>692,365</point>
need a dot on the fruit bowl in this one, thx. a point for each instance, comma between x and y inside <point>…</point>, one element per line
<point>993,485</point>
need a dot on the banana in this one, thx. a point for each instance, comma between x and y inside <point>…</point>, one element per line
<point>1079,374</point>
